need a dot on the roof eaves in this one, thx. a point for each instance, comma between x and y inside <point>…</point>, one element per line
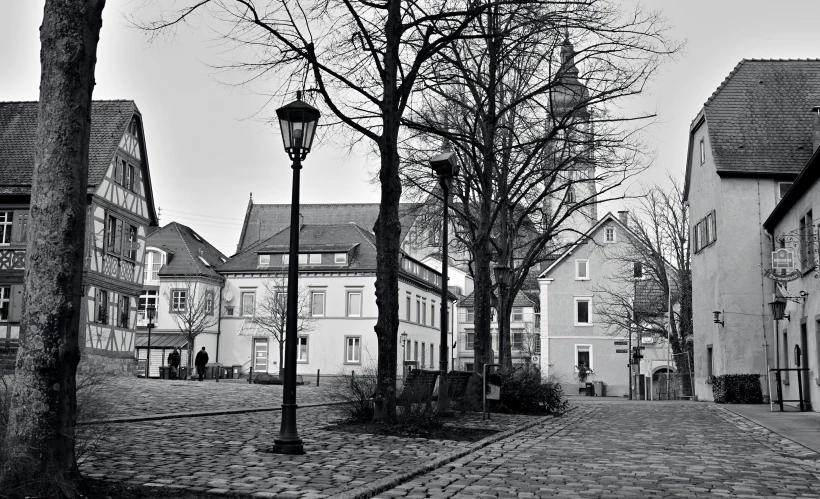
<point>801,185</point>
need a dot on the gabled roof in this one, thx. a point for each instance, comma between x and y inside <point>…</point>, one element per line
<point>522,299</point>
<point>189,252</point>
<point>588,235</point>
<point>265,220</point>
<point>759,118</point>
<point>18,127</point>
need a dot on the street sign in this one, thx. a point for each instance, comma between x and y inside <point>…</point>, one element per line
<point>642,348</point>
<point>622,351</point>
<point>620,342</point>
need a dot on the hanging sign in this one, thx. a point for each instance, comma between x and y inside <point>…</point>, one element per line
<point>783,266</point>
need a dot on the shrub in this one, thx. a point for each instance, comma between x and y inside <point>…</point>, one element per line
<point>522,391</point>
<point>357,391</point>
<point>737,389</point>
<point>415,414</point>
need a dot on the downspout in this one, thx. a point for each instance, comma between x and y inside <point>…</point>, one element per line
<point>763,292</point>
<point>219,319</point>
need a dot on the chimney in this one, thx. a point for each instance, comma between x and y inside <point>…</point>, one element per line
<point>815,128</point>
<point>623,216</point>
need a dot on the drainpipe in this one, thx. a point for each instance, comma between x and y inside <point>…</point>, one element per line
<point>219,319</point>
<point>763,294</point>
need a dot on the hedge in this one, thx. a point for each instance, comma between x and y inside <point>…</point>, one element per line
<point>737,389</point>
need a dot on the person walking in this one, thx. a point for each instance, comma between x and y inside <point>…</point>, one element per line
<point>200,362</point>
<point>174,361</point>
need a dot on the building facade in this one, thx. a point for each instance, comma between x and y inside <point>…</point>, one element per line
<point>120,210</point>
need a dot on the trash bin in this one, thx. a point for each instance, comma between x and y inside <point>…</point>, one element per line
<point>600,388</point>
<point>183,372</point>
<point>590,389</point>
<point>164,372</point>
<point>227,372</point>
<point>237,370</point>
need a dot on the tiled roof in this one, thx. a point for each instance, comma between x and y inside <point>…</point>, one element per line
<point>760,117</point>
<point>650,300</point>
<point>265,220</point>
<point>18,126</point>
<point>521,300</point>
<point>187,247</point>
<point>311,236</point>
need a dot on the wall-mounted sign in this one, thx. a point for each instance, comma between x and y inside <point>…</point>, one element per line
<point>783,266</point>
<point>647,339</point>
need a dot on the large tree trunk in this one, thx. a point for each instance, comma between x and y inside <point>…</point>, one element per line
<point>42,417</point>
<point>482,304</point>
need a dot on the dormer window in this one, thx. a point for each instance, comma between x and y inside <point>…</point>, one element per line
<point>340,258</point>
<point>264,260</point>
<point>204,261</point>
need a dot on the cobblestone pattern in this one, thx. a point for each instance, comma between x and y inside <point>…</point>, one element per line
<point>625,450</point>
<point>228,453</point>
<point>786,447</point>
<point>129,397</point>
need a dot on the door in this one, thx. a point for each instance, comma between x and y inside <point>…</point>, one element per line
<point>260,355</point>
<point>804,361</point>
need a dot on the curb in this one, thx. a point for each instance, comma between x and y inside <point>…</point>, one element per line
<point>381,485</point>
<point>810,450</point>
<point>179,415</point>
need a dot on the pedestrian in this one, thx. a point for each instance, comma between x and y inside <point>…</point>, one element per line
<point>174,360</point>
<point>200,362</point>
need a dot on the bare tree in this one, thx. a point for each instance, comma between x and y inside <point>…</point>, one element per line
<point>535,123</point>
<point>365,59</point>
<point>654,270</point>
<point>272,311</point>
<point>193,310</point>
<point>40,437</point>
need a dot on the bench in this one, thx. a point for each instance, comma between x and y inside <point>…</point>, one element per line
<point>418,386</point>
<point>274,379</point>
<point>458,381</point>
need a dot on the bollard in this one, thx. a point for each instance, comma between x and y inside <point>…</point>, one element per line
<point>317,377</point>
<point>250,375</point>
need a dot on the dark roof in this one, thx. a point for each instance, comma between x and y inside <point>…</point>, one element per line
<point>760,119</point>
<point>807,178</point>
<point>522,299</point>
<point>160,340</point>
<point>265,220</point>
<point>18,126</point>
<point>350,235</point>
<point>185,247</point>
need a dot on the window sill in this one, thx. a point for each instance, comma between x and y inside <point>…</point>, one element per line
<point>584,325</point>
<point>582,278</point>
<point>352,363</point>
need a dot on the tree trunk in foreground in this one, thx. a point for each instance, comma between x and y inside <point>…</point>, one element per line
<point>40,436</point>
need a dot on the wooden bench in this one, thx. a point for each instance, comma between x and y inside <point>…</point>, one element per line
<point>418,386</point>
<point>458,381</point>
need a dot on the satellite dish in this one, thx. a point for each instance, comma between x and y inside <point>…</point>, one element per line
<point>228,295</point>
<point>535,359</point>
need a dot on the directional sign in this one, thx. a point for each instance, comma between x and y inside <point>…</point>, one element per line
<point>621,351</point>
<point>642,348</point>
<point>619,342</point>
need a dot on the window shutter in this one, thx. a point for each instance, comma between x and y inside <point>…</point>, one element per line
<point>16,308</point>
<point>19,228</point>
<point>118,238</point>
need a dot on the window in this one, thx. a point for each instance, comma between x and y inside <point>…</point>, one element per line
<point>119,172</point>
<point>423,354</point>
<point>209,302</point>
<point>418,310</point>
<point>702,152</point>
<point>340,258</point>
<point>5,301</point>
<point>424,312</point>
<point>407,309</point>
<point>583,356</point>
<point>303,258</point>
<point>470,341</point>
<point>354,303</point>
<point>433,314</point>
<point>518,314</point>
<point>807,242</point>
<point>315,258</point>
<point>125,310</point>
<point>353,350</point>
<point>583,311</point>
<point>537,341</point>
<point>416,351</point>
<point>431,356</point>
<point>129,178</point>
<point>302,350</point>
<point>709,371</point>
<point>317,303</point>
<point>704,233</point>
<point>111,234</point>
<point>570,196</point>
<point>285,259</point>
<point>471,314</point>
<point>782,188</point>
<point>153,262</point>
<point>6,220</point>
<point>637,270</point>
<point>179,300</point>
<point>517,337</point>
<point>102,306</point>
<point>148,298</point>
<point>609,235</point>
<point>582,269</point>
<point>248,303</point>
<point>264,260</point>
<point>130,242</point>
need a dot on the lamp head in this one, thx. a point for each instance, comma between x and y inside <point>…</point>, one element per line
<point>151,312</point>
<point>778,307</point>
<point>298,121</point>
<point>445,164</point>
<point>503,275</point>
<point>717,318</point>
<point>403,337</point>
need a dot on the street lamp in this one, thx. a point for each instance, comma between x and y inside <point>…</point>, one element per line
<point>445,167</point>
<point>503,276</point>
<point>778,307</point>
<point>150,312</point>
<point>298,123</point>
<point>403,355</point>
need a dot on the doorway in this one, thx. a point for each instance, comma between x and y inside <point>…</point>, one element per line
<point>260,355</point>
<point>804,362</point>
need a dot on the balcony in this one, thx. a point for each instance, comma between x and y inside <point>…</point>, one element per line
<point>523,344</point>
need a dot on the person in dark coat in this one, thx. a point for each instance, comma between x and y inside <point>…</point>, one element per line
<point>173,361</point>
<point>200,362</point>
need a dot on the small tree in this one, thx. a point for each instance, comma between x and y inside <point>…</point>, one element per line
<point>193,311</point>
<point>272,311</point>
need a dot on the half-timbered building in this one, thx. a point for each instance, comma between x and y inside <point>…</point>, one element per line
<point>120,209</point>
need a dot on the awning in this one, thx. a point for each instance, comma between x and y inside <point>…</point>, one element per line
<point>161,340</point>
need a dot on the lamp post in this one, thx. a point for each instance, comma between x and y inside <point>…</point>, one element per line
<point>503,276</point>
<point>298,123</point>
<point>403,355</point>
<point>150,312</point>
<point>445,167</point>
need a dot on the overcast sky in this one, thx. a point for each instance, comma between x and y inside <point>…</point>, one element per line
<point>209,149</point>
